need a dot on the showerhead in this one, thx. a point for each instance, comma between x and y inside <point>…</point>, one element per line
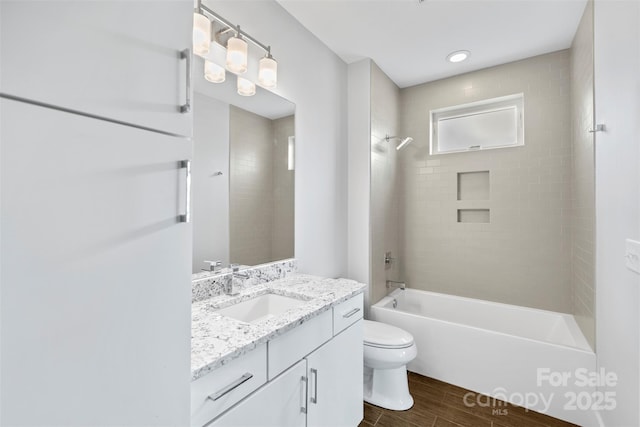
<point>408,140</point>
<point>403,142</point>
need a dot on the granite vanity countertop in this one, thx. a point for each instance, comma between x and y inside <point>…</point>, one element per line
<point>217,339</point>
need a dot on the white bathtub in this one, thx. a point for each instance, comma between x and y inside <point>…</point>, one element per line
<point>533,358</point>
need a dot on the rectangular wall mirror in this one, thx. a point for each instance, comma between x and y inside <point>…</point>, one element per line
<point>242,175</point>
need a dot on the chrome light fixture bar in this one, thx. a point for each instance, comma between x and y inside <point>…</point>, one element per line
<point>237,53</point>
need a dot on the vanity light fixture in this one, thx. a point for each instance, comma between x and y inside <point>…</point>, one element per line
<point>237,54</point>
<point>237,57</point>
<point>268,71</point>
<point>458,56</point>
<point>201,33</point>
<point>246,87</point>
<point>213,72</point>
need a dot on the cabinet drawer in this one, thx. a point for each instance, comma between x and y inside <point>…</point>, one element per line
<point>287,349</point>
<point>347,313</point>
<point>225,386</point>
<point>280,403</point>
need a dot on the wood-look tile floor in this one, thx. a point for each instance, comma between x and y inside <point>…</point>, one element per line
<point>438,404</point>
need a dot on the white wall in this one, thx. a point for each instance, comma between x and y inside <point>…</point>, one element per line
<point>315,79</point>
<point>617,81</point>
<point>210,193</point>
<point>359,172</point>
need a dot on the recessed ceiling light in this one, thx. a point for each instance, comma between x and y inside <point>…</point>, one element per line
<point>458,56</point>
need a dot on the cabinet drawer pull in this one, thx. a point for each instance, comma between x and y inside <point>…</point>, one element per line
<point>186,217</point>
<point>237,383</point>
<point>304,391</point>
<point>186,107</point>
<point>351,313</point>
<point>314,399</point>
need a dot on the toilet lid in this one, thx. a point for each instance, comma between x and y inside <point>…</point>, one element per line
<point>377,334</point>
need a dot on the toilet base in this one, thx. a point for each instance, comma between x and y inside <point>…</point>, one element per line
<point>387,388</point>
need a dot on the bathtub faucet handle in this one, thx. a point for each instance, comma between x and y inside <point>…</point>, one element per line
<point>388,259</point>
<point>394,284</point>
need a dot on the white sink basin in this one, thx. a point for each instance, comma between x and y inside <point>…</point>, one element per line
<point>260,308</point>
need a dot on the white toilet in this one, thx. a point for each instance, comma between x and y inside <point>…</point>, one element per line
<point>387,350</point>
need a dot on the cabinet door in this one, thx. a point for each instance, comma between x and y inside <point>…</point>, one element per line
<point>95,272</point>
<point>280,403</point>
<point>335,380</point>
<point>115,59</point>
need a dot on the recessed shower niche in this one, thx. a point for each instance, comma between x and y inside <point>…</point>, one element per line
<point>473,186</point>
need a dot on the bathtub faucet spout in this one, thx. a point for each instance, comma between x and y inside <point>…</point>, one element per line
<point>394,284</point>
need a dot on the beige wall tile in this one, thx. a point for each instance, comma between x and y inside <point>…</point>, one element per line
<point>523,255</point>
<point>582,206</point>
<point>384,182</point>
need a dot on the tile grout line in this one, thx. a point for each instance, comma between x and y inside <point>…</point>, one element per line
<point>378,419</point>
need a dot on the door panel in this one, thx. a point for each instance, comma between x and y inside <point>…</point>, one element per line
<point>116,59</point>
<point>335,380</point>
<point>95,272</point>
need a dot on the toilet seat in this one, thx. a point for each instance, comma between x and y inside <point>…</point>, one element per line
<point>381,335</point>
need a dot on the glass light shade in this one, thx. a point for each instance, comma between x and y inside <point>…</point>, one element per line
<point>213,72</point>
<point>268,72</point>
<point>201,34</point>
<point>246,87</point>
<point>237,55</point>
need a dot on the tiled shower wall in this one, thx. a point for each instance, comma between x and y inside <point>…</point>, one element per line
<point>251,181</point>
<point>259,180</point>
<point>522,255</point>
<point>282,236</point>
<point>583,178</point>
<point>385,99</point>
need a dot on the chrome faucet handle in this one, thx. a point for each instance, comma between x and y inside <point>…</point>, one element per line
<point>388,259</point>
<point>213,265</point>
<point>235,271</point>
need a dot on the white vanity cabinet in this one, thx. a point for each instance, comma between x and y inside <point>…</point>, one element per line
<point>281,403</point>
<point>321,384</point>
<point>216,392</point>
<point>335,380</point>
<point>114,59</point>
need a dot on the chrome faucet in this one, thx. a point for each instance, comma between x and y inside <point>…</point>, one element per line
<point>213,265</point>
<point>235,271</point>
<point>394,284</point>
<point>229,289</point>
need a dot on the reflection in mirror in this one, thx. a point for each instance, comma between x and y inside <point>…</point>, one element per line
<point>261,195</point>
<point>242,176</point>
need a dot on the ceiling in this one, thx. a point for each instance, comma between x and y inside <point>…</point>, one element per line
<point>409,40</point>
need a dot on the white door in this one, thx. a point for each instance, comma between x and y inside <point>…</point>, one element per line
<point>95,272</point>
<point>114,59</point>
<point>335,380</point>
<point>280,403</point>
